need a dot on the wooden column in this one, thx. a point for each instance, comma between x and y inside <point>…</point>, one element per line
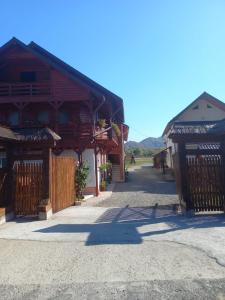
<point>184,197</point>
<point>10,189</point>
<point>96,173</point>
<point>46,175</point>
<point>45,207</point>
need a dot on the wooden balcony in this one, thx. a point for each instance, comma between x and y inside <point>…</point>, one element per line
<point>84,132</point>
<point>108,137</point>
<point>24,89</point>
<point>73,130</point>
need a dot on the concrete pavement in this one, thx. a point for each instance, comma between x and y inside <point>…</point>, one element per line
<point>125,252</point>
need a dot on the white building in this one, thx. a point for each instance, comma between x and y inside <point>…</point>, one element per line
<point>205,109</point>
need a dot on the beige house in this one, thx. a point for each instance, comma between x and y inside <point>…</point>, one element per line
<point>204,110</point>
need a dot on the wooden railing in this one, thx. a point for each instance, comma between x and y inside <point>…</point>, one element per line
<point>106,135</point>
<point>76,130</point>
<point>24,89</point>
<point>85,131</point>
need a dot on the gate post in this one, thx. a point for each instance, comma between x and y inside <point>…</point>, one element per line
<point>9,199</point>
<point>45,207</point>
<point>184,198</point>
<point>222,147</point>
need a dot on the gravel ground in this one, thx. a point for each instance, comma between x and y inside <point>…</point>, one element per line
<point>145,187</point>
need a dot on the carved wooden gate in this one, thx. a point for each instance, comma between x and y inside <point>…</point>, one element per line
<point>27,186</point>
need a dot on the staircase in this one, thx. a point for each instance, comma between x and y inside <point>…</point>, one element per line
<point>116,173</point>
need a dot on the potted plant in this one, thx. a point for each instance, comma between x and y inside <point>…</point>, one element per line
<point>116,129</point>
<point>103,185</point>
<point>102,123</point>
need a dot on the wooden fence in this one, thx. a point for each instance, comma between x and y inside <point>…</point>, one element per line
<point>27,187</point>
<point>205,183</point>
<point>30,186</point>
<point>62,182</point>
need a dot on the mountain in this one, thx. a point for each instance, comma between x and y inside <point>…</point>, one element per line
<point>148,143</point>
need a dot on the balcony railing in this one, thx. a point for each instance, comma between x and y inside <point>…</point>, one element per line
<point>84,131</point>
<point>106,135</point>
<point>24,89</point>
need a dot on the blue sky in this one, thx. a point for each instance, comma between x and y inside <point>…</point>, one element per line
<point>157,55</point>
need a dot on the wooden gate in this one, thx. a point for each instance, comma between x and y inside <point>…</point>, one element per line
<point>205,177</point>
<point>62,182</point>
<point>27,186</point>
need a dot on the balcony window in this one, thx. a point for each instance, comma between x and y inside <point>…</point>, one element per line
<point>2,118</point>
<point>28,76</point>
<point>63,117</point>
<point>3,161</point>
<point>14,118</point>
<point>43,117</point>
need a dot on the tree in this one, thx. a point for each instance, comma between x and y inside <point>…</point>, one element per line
<point>137,151</point>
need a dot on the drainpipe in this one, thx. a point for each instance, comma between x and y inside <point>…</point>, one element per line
<point>96,163</point>
<point>107,129</point>
<point>96,173</point>
<point>118,109</point>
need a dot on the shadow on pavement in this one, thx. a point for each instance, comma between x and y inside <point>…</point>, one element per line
<point>125,225</point>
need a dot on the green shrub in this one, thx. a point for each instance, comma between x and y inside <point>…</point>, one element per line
<point>81,179</point>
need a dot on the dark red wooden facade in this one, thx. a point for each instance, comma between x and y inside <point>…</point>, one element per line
<point>37,89</point>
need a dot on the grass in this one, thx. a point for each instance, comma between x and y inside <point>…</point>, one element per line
<point>139,161</point>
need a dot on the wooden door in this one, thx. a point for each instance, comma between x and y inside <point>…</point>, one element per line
<point>62,182</point>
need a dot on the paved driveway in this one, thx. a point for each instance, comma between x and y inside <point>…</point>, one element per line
<point>140,248</point>
<point>146,186</point>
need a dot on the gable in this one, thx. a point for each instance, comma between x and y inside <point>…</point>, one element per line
<point>202,110</point>
<point>70,73</point>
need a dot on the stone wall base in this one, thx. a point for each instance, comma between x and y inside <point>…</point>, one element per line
<point>6,215</point>
<point>44,212</point>
<point>90,190</point>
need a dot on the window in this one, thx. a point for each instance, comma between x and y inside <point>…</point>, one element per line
<point>63,117</point>
<point>14,118</point>
<point>209,106</point>
<point>3,161</point>
<point>195,107</point>
<point>28,76</point>
<point>43,117</point>
<point>2,118</point>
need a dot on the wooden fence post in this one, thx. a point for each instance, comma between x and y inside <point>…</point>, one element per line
<point>45,208</point>
<point>9,179</point>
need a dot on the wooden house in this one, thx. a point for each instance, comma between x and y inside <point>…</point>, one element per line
<point>206,110</point>
<point>37,89</point>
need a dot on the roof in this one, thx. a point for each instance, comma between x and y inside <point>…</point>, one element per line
<point>7,134</point>
<point>72,73</point>
<point>204,96</point>
<point>198,128</point>
<point>36,134</point>
<point>28,134</point>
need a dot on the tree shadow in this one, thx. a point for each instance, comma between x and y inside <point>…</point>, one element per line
<point>124,225</point>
